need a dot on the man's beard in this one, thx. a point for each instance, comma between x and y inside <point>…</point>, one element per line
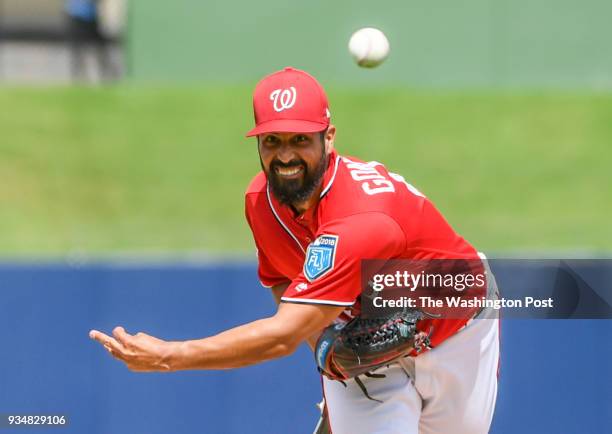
<point>293,191</point>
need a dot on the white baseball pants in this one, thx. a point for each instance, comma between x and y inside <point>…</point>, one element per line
<point>450,389</point>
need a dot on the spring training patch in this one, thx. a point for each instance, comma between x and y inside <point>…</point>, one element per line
<point>320,256</point>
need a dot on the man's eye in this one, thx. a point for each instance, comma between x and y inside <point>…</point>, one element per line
<point>301,138</point>
<point>271,140</point>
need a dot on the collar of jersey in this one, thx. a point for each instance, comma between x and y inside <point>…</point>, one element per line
<point>308,215</point>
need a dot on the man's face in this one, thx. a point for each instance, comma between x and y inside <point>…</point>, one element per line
<point>294,164</point>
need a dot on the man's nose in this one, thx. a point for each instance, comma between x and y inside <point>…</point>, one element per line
<point>286,153</point>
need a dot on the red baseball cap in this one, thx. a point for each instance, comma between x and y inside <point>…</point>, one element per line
<point>289,101</point>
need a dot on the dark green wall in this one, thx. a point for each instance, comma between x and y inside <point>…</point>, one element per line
<point>553,43</point>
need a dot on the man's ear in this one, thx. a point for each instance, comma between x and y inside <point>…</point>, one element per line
<point>330,137</point>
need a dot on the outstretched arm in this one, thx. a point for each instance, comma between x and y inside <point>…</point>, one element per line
<point>255,342</point>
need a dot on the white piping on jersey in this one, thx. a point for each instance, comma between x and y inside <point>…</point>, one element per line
<point>368,164</point>
<point>323,193</point>
<point>278,219</point>
<point>331,181</point>
<point>311,301</point>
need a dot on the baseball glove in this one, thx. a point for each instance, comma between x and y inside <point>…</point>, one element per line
<point>361,345</point>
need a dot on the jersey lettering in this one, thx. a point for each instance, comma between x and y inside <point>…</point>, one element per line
<point>367,172</point>
<point>411,188</point>
<point>382,186</point>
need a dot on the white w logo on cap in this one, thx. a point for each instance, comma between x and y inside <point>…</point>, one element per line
<point>283,98</point>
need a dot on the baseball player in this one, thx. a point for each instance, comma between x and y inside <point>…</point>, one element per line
<point>315,215</point>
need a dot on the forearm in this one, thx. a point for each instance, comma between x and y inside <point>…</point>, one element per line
<point>241,346</point>
<point>255,342</point>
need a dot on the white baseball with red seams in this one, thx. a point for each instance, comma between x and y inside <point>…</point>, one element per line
<point>369,47</point>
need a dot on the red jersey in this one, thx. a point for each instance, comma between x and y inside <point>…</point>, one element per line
<point>364,212</point>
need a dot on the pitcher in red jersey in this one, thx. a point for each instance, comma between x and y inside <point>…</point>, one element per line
<point>315,215</point>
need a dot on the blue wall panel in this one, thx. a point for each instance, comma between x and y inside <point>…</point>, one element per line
<point>554,376</point>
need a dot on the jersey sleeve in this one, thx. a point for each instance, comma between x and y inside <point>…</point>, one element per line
<point>332,268</point>
<point>268,275</point>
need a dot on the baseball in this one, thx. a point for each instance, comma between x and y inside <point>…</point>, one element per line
<point>369,47</point>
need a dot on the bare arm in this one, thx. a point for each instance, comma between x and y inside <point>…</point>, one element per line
<point>277,292</point>
<point>265,339</point>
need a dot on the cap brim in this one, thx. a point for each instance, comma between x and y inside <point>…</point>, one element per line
<point>287,126</point>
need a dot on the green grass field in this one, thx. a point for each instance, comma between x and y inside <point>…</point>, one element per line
<point>162,170</point>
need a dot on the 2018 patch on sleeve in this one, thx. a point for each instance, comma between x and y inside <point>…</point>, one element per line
<point>320,256</point>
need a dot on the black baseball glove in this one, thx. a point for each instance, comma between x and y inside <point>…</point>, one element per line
<point>361,345</point>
